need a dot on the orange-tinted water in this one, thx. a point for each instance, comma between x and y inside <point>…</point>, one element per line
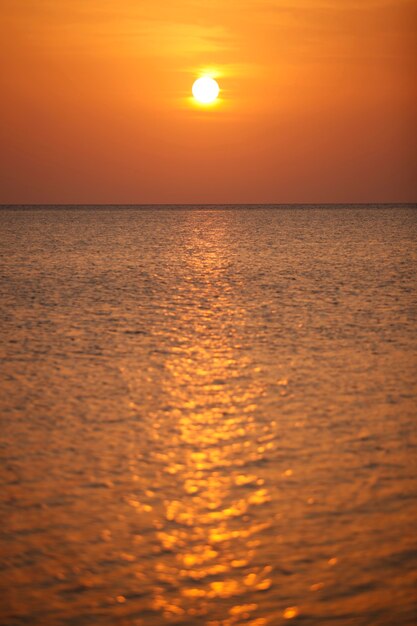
<point>208,416</point>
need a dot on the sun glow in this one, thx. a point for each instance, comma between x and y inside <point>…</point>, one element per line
<point>205,90</point>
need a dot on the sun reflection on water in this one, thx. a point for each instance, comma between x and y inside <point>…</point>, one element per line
<point>208,448</point>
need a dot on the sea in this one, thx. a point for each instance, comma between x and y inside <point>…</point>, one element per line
<point>208,415</point>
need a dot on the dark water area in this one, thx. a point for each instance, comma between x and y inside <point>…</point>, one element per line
<point>208,415</point>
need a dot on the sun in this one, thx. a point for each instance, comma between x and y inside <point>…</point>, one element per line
<point>205,90</point>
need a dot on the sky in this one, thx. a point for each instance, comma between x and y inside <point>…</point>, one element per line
<point>317,101</point>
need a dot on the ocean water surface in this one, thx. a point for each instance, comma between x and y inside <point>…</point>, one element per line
<point>208,416</point>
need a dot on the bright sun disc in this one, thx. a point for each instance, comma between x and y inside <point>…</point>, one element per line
<point>205,90</point>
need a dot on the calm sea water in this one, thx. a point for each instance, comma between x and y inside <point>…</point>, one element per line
<point>208,416</point>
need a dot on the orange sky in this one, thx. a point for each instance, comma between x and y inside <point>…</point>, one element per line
<point>317,104</point>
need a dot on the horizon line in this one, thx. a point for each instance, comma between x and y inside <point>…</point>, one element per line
<point>201,204</point>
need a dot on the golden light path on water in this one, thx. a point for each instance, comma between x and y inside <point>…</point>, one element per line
<point>208,533</point>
